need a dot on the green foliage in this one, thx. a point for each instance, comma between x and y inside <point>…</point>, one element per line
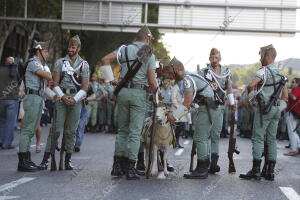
<point>44,9</point>
<point>35,8</point>
<point>243,75</point>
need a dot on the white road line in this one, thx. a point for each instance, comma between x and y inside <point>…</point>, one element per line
<point>42,144</point>
<point>11,185</point>
<point>179,152</point>
<point>9,197</point>
<point>186,142</point>
<point>290,193</point>
<point>81,158</point>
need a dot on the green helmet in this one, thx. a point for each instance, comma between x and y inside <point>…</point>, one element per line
<point>76,39</point>
<point>145,30</point>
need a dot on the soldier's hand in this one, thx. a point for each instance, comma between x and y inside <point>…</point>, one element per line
<point>171,118</point>
<point>233,107</point>
<point>160,96</point>
<point>68,100</point>
<point>105,93</point>
<point>72,100</point>
<point>114,82</point>
<point>56,98</point>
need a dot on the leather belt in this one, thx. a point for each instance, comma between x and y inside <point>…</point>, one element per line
<point>69,91</point>
<point>206,101</point>
<point>137,86</point>
<point>30,91</point>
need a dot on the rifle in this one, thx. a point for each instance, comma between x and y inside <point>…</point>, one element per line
<point>193,153</point>
<point>143,56</point>
<point>232,144</point>
<point>53,141</point>
<point>265,154</point>
<point>63,148</point>
<point>275,95</point>
<point>152,134</point>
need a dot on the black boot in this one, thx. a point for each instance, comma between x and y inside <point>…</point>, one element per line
<point>264,169</point>
<point>118,169</point>
<point>270,171</point>
<point>200,172</point>
<point>29,159</point>
<point>254,172</point>
<point>44,163</point>
<point>25,165</point>
<point>140,165</point>
<point>131,171</point>
<point>68,164</point>
<point>214,167</point>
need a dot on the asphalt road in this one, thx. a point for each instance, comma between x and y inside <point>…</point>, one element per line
<point>91,178</point>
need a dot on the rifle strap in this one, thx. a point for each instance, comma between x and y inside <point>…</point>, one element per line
<point>126,57</point>
<point>273,77</point>
<point>260,113</point>
<point>208,112</point>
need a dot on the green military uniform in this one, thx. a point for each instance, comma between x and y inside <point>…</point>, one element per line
<point>206,114</point>
<point>93,105</point>
<point>202,124</point>
<point>131,104</point>
<point>245,118</point>
<point>33,103</point>
<point>131,107</point>
<point>33,106</point>
<point>218,121</point>
<point>267,123</point>
<point>109,106</point>
<point>102,110</point>
<point>69,112</point>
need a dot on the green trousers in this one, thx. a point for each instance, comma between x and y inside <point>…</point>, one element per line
<point>102,113</point>
<point>33,106</point>
<point>93,111</point>
<point>109,114</point>
<point>203,132</point>
<point>72,114</point>
<point>265,124</point>
<point>216,129</point>
<point>131,105</point>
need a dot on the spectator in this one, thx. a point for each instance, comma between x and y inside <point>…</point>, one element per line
<point>177,98</point>
<point>9,102</point>
<point>166,92</point>
<point>293,117</point>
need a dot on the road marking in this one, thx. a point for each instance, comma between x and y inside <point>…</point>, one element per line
<point>11,185</point>
<point>290,193</point>
<point>82,158</point>
<point>179,152</point>
<point>42,144</point>
<point>186,142</point>
<point>9,197</point>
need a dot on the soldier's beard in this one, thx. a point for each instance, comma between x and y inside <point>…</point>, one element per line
<point>71,53</point>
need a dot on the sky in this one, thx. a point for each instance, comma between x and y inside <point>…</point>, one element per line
<point>194,48</point>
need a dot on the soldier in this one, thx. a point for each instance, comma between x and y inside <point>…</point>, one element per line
<point>71,80</point>
<point>131,103</point>
<point>93,105</point>
<point>245,117</point>
<point>102,110</point>
<point>198,90</point>
<point>219,79</point>
<point>36,72</point>
<point>109,106</point>
<point>266,80</point>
